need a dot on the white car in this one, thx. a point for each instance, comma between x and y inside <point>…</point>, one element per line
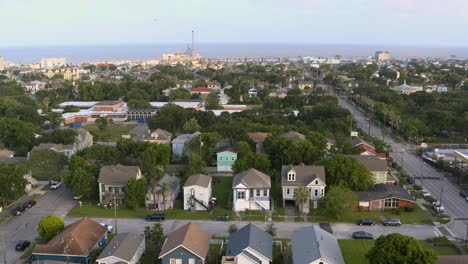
<point>438,207</point>
<point>109,227</point>
<point>425,193</point>
<point>55,185</point>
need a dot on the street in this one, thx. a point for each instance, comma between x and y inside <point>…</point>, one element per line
<point>24,226</point>
<point>439,187</point>
<point>283,229</point>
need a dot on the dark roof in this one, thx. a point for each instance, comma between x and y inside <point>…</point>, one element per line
<point>293,136</point>
<point>109,103</point>
<point>258,137</point>
<point>252,178</point>
<point>191,237</point>
<point>232,149</point>
<point>304,174</point>
<point>372,163</point>
<point>117,173</point>
<point>78,239</point>
<point>250,236</point>
<point>381,191</point>
<point>198,180</point>
<point>123,246</point>
<point>357,141</point>
<point>163,134</point>
<point>9,160</point>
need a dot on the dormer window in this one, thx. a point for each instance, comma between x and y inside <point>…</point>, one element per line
<point>316,182</point>
<point>291,176</point>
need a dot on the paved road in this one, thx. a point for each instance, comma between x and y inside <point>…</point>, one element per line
<point>440,188</point>
<point>284,229</point>
<point>57,202</point>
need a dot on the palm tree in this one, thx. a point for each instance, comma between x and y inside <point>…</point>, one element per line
<point>45,104</point>
<point>302,196</point>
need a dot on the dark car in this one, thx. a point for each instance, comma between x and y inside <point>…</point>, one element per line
<point>464,193</point>
<point>369,222</point>
<point>155,217</point>
<point>411,180</point>
<point>22,245</point>
<point>18,210</point>
<point>30,204</point>
<point>392,222</point>
<point>362,235</point>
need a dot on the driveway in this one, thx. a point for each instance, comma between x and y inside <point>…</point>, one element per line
<point>57,202</point>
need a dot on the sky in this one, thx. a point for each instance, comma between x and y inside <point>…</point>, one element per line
<point>390,22</point>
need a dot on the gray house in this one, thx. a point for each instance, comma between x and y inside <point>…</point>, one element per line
<point>186,245</point>
<point>249,245</point>
<point>376,166</point>
<point>178,144</point>
<point>125,248</point>
<point>162,195</point>
<point>315,245</point>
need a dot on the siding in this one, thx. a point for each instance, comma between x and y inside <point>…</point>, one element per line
<point>181,253</point>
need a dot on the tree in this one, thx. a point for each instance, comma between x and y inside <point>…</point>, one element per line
<point>247,159</point>
<point>271,229</point>
<point>17,134</point>
<point>82,179</point>
<point>191,126</point>
<point>155,159</point>
<point>59,136</point>
<point>348,172</point>
<point>195,165</point>
<point>204,144</point>
<point>337,201</point>
<point>301,196</point>
<point>102,124</point>
<point>135,193</point>
<point>399,249</point>
<point>154,240</point>
<point>70,109</point>
<point>232,228</point>
<point>212,102</point>
<point>46,164</point>
<point>12,182</point>
<point>50,227</point>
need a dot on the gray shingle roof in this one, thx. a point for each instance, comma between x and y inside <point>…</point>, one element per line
<point>304,174</point>
<point>252,178</point>
<point>117,173</point>
<point>313,243</point>
<point>250,236</point>
<point>372,163</point>
<point>293,136</point>
<point>198,180</point>
<point>123,246</point>
<point>181,139</point>
<point>173,184</point>
<point>382,191</point>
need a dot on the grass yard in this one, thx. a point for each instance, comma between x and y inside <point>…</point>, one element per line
<point>354,251</point>
<point>417,216</point>
<point>441,246</point>
<point>90,209</point>
<point>351,216</point>
<point>113,132</point>
<point>216,253</point>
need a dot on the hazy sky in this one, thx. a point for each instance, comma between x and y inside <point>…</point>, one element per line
<point>402,22</point>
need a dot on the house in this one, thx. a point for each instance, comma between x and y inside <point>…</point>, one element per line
<point>253,92</point>
<point>249,245</point>
<point>74,244</point>
<point>160,136</point>
<point>67,150</point>
<point>406,89</point>
<point>124,248</point>
<point>311,177</point>
<point>178,144</point>
<point>303,84</point>
<point>384,197</point>
<point>251,190</point>
<point>293,136</point>
<point>331,144</point>
<point>202,91</point>
<point>186,245</point>
<point>441,88</point>
<point>258,138</point>
<point>197,192</point>
<point>376,166</point>
<point>313,245</point>
<point>83,139</point>
<point>225,158</point>
<point>160,199</point>
<point>366,148</point>
<point>112,181</point>
<point>35,86</point>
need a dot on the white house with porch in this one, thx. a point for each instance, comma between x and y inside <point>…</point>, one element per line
<point>311,177</point>
<point>251,190</point>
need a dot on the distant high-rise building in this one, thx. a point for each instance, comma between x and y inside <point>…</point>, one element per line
<point>50,63</point>
<point>2,62</point>
<point>382,56</point>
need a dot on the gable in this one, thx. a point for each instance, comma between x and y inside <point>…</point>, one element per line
<point>312,183</point>
<point>240,186</point>
<point>181,252</point>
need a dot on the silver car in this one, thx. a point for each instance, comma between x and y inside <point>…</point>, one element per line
<point>392,222</point>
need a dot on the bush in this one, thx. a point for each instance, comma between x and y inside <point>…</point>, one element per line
<point>232,228</point>
<point>417,187</point>
<point>409,208</point>
<point>429,199</point>
<point>50,227</point>
<point>271,229</point>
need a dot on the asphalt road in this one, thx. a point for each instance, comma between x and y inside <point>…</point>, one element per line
<point>283,229</point>
<point>23,227</point>
<point>433,181</point>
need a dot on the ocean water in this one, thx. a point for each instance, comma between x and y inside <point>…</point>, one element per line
<point>97,53</point>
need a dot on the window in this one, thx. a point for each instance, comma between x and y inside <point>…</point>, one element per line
<point>191,261</point>
<point>288,191</point>
<point>103,187</point>
<point>232,158</point>
<point>240,195</point>
<point>258,192</point>
<point>316,192</point>
<point>322,192</point>
<point>291,176</point>
<point>392,203</point>
<point>220,158</point>
<point>111,189</point>
<point>316,182</point>
<point>265,192</point>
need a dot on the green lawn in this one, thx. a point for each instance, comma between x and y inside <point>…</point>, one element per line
<point>417,216</point>
<point>354,251</point>
<point>353,215</point>
<point>113,132</point>
<point>215,253</point>
<point>441,246</point>
<point>89,209</point>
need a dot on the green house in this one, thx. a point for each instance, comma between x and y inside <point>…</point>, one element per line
<point>225,158</point>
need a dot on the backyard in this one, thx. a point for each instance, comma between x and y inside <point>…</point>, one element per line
<point>113,131</point>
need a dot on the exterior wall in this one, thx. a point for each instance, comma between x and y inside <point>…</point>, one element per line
<point>182,254</point>
<point>104,190</point>
<point>170,197</point>
<point>177,149</point>
<point>312,187</point>
<point>225,160</point>
<point>379,176</point>
<point>379,205</point>
<point>263,260</point>
<point>202,194</point>
<point>252,200</point>
<point>137,256</point>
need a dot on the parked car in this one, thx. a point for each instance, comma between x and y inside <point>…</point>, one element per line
<point>369,222</point>
<point>18,210</point>
<point>464,193</point>
<point>394,164</point>
<point>437,206</point>
<point>156,217</point>
<point>55,185</point>
<point>30,204</point>
<point>109,227</point>
<point>411,180</point>
<point>362,235</point>
<point>425,193</point>
<point>22,245</point>
<point>392,222</point>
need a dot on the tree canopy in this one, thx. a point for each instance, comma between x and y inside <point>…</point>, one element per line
<point>347,172</point>
<point>50,227</point>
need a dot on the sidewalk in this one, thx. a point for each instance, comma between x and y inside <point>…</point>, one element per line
<point>6,213</point>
